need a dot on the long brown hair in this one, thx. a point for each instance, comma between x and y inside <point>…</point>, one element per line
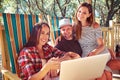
<point>78,25</point>
<point>35,34</point>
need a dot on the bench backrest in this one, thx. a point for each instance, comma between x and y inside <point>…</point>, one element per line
<point>17,29</point>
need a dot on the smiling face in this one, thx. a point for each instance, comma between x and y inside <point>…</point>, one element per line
<point>44,35</point>
<point>83,14</point>
<point>66,32</point>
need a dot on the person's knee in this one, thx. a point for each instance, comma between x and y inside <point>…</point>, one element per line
<point>114,64</point>
<point>108,75</point>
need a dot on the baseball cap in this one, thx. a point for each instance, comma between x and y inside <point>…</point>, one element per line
<point>64,22</point>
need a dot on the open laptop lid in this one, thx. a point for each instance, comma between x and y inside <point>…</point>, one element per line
<point>87,68</point>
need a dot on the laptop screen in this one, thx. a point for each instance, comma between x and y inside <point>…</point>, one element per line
<point>87,68</point>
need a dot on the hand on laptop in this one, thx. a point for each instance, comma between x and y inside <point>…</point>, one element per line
<point>69,56</point>
<point>53,64</point>
<point>73,55</point>
<point>91,54</point>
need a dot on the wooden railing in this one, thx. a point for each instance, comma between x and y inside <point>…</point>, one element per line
<point>117,33</point>
<point>111,36</point>
<point>107,37</point>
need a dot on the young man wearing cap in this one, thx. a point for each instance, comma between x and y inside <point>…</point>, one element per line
<point>67,42</point>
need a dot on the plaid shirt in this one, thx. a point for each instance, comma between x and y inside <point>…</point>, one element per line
<point>30,61</point>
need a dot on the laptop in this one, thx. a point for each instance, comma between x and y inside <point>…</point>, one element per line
<point>87,68</point>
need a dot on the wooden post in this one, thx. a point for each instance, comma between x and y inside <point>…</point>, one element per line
<point>111,34</point>
<point>5,57</point>
<point>40,17</point>
<point>111,23</point>
<point>89,1</point>
<point>51,32</point>
<point>116,34</point>
<point>104,30</point>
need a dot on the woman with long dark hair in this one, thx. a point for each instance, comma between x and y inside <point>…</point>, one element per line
<point>37,58</point>
<point>89,35</point>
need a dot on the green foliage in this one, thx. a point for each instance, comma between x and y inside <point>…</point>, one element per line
<point>72,8</point>
<point>46,7</point>
<point>61,8</point>
<point>8,6</point>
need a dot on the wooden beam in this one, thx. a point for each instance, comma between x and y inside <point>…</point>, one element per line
<point>1,27</point>
<point>0,14</point>
<point>89,1</point>
<point>9,74</point>
<point>5,57</point>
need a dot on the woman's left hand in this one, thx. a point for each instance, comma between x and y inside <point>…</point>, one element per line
<point>91,54</point>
